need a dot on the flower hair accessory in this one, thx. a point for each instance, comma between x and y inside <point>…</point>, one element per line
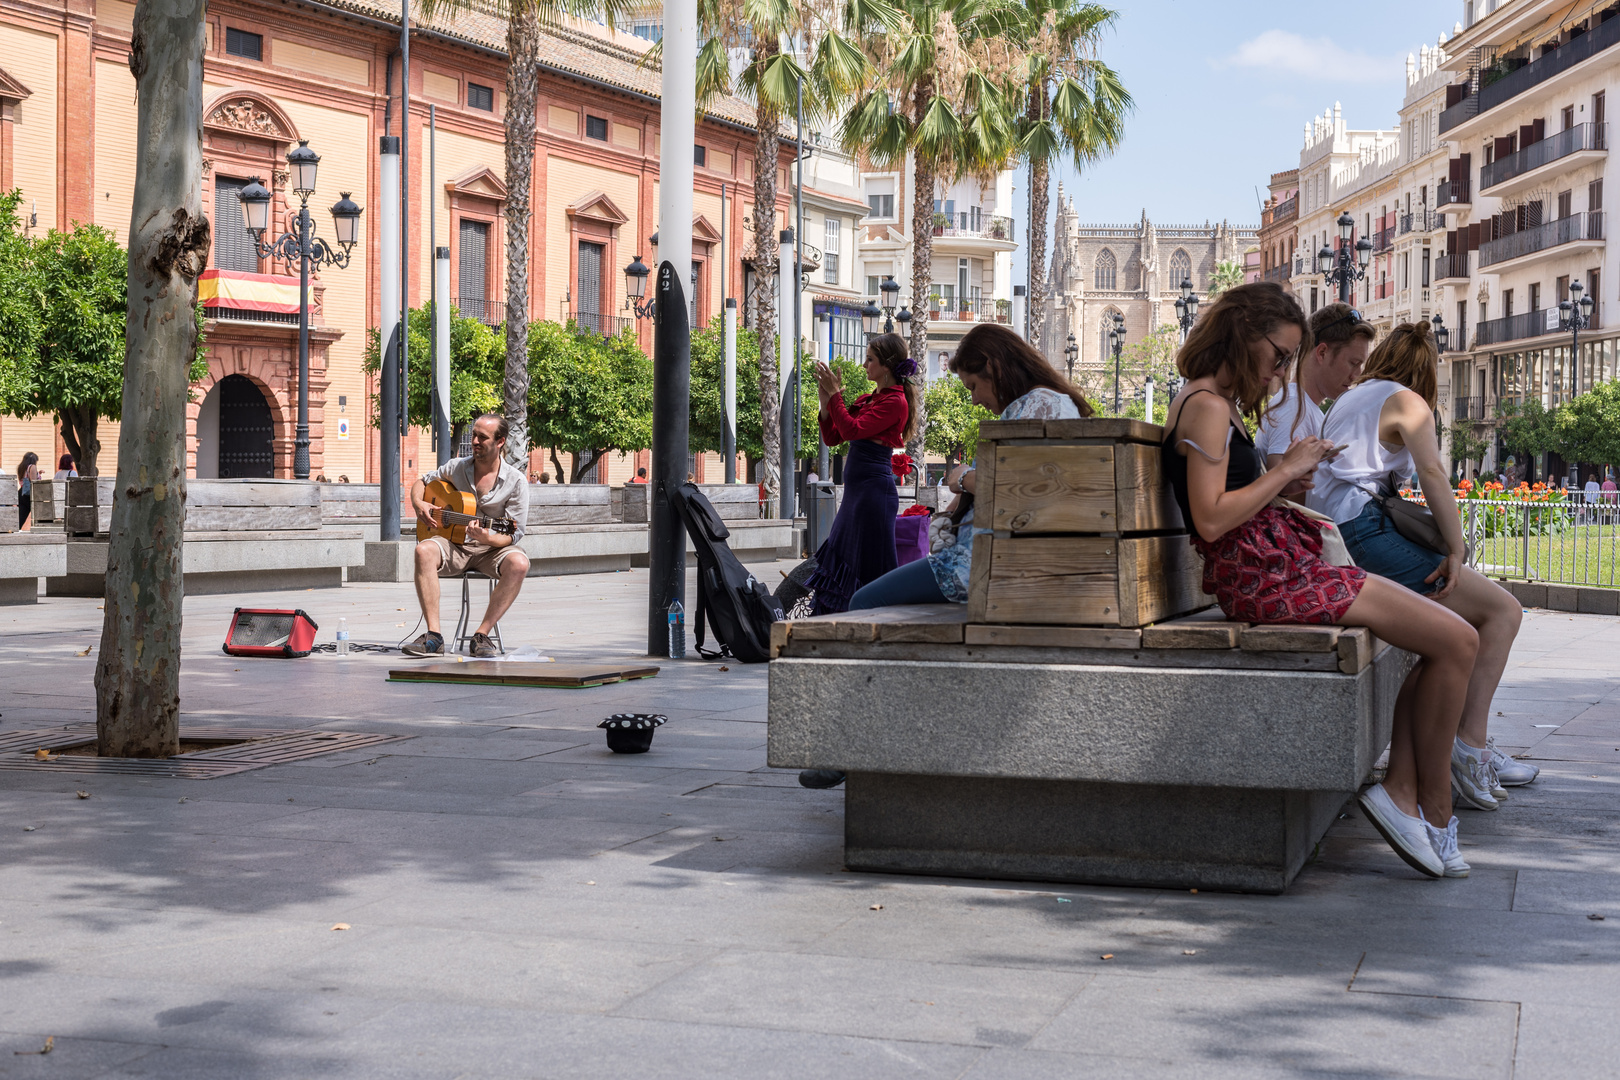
<point>905,369</point>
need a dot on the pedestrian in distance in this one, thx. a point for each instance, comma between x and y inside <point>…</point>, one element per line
<point>502,492</point>
<point>1387,422</point>
<point>1263,562</point>
<point>1340,341</point>
<point>860,545</point>
<point>65,469</point>
<point>27,473</point>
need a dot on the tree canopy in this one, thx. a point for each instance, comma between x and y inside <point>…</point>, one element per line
<point>588,394</point>
<point>1587,428</point>
<point>477,368</point>
<point>1526,428</point>
<point>952,429</point>
<point>21,306</point>
<point>708,384</point>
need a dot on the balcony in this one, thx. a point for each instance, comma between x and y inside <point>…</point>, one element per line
<point>597,323</point>
<point>1451,267</point>
<point>983,309</point>
<point>1584,228</point>
<point>1279,274</point>
<point>1529,324</point>
<point>1468,408</point>
<point>1285,211</point>
<point>1456,340</point>
<point>976,226</point>
<point>1452,193</point>
<point>1530,166</point>
<point>1384,238</point>
<point>1422,220</point>
<point>1504,82</point>
<point>488,312</point>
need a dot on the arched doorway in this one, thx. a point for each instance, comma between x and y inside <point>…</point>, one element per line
<point>246,430</point>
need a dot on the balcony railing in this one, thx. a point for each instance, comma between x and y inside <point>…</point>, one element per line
<point>984,309</point>
<point>597,323</point>
<point>1456,340</point>
<point>1287,210</point>
<point>1453,265</point>
<point>1424,220</point>
<point>485,311</point>
<point>1278,273</point>
<point>1566,230</point>
<point>1451,192</point>
<point>1384,239</point>
<point>981,226</point>
<point>1527,324</point>
<point>1517,81</point>
<point>1469,408</point>
<point>1569,141</point>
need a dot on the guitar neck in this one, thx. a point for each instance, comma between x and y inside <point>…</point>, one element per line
<point>451,517</point>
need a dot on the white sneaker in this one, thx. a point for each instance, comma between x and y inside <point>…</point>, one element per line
<point>1471,776</point>
<point>1407,835</point>
<point>1444,842</point>
<point>1510,771</point>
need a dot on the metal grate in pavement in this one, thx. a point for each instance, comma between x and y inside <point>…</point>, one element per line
<point>251,748</point>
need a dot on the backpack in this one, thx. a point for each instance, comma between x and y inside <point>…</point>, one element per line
<point>739,606</point>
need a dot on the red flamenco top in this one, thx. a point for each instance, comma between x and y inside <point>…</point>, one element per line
<point>879,417</point>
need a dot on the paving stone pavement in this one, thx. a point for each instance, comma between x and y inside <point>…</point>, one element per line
<point>522,903</point>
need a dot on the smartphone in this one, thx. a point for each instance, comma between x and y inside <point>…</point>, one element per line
<point>1341,448</point>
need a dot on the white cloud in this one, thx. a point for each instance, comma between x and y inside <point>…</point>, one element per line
<point>1321,59</point>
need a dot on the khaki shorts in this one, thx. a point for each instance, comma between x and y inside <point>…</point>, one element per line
<point>455,560</point>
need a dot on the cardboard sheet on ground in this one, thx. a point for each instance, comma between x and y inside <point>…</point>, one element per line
<point>497,673</point>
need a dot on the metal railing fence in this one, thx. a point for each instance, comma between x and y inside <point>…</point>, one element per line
<point>1573,542</point>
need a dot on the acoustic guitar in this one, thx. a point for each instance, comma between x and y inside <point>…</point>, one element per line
<point>456,510</point>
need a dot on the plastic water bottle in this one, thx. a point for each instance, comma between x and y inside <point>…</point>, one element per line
<point>677,631</point>
<point>343,637</point>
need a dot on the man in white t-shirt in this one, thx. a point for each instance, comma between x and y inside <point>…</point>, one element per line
<point>1342,340</point>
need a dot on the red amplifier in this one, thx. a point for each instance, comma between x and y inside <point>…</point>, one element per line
<point>269,632</point>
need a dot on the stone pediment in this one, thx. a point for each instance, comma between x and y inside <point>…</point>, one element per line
<point>596,206</point>
<point>11,89</point>
<point>248,113</point>
<point>703,232</point>
<point>482,183</point>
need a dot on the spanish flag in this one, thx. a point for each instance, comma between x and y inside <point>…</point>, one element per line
<point>248,292</point>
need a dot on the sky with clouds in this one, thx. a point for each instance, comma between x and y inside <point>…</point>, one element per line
<point>1223,90</point>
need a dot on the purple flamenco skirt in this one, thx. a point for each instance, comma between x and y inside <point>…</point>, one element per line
<point>860,546</point>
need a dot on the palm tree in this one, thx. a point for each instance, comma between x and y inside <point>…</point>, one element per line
<point>942,96</point>
<point>525,21</point>
<point>1074,103</point>
<point>743,52</point>
<point>1227,275</point>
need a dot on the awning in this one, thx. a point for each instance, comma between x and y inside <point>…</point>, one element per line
<point>248,292</point>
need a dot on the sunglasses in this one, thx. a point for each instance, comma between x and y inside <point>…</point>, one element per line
<point>1284,357</point>
<point>1353,316</point>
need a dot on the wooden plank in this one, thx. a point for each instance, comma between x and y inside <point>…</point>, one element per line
<point>1113,430</point>
<point>1291,638</point>
<point>1060,637</point>
<point>82,520</point>
<point>1052,489</point>
<point>1144,499</point>
<point>1355,649</point>
<point>1052,556</point>
<point>779,638</point>
<point>1071,600</point>
<point>570,495</point>
<point>991,430</point>
<point>1208,629</point>
<point>250,493</point>
<point>984,485</point>
<point>516,673</point>
<point>925,623</point>
<point>832,628</point>
<point>1199,659</point>
<point>251,518</point>
<point>570,514</point>
<point>1159,577</point>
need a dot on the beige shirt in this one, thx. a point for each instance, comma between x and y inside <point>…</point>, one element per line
<point>508,497</point>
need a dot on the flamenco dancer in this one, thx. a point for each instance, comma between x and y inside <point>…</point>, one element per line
<point>860,546</point>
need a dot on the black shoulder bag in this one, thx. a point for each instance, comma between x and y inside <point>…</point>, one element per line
<point>1413,522</point>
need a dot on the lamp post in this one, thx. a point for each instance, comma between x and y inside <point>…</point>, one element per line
<point>1575,315</point>
<point>870,314</point>
<point>1340,266</point>
<point>1186,308</point>
<point>1071,353</point>
<point>891,298</point>
<point>305,247</point>
<point>635,287</point>
<point>1117,337</point>
<point>1442,336</point>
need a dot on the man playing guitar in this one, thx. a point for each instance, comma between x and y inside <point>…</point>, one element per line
<point>502,492</point>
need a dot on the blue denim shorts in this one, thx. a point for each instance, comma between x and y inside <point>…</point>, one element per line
<point>1379,549</point>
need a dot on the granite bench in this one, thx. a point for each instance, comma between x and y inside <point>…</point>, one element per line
<point>753,538</point>
<point>25,557</point>
<point>1195,753</point>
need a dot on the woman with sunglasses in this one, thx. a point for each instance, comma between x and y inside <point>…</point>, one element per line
<point>1387,420</point>
<point>1263,562</point>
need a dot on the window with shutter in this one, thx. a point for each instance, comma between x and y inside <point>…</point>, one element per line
<point>588,306</point>
<point>233,244</point>
<point>472,278</point>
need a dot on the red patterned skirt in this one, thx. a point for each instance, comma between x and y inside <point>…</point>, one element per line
<point>1270,570</point>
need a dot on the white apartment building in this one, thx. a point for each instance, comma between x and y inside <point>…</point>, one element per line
<point>973,245</point>
<point>1525,132</point>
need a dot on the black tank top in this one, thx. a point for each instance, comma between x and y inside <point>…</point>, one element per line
<point>1242,464</point>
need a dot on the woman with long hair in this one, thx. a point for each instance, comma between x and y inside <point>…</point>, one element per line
<point>1387,420</point>
<point>1005,374</point>
<point>1263,562</point>
<point>27,473</point>
<point>860,545</point>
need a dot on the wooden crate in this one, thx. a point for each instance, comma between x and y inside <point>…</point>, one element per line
<point>1086,531</point>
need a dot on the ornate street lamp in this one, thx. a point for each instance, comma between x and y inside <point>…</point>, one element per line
<point>1575,315</point>
<point>1117,337</point>
<point>1071,353</point>
<point>1441,335</point>
<point>304,247</point>
<point>891,298</point>
<point>1342,267</point>
<point>870,314</point>
<point>1186,307</point>
<point>635,287</point>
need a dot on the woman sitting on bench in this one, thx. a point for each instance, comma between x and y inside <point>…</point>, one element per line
<point>1263,562</point>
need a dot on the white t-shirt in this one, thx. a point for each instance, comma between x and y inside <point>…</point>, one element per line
<point>1277,429</point>
<point>1346,484</point>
